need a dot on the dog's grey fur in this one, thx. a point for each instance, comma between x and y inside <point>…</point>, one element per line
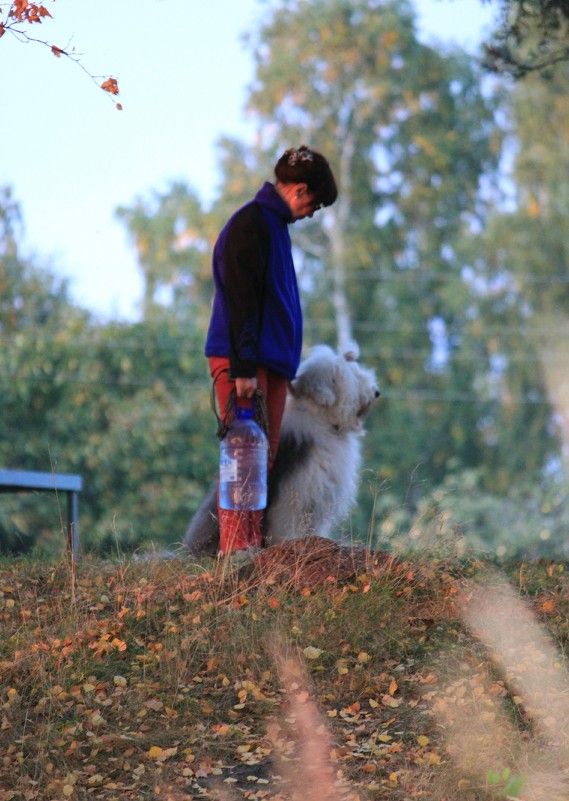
<point>314,480</point>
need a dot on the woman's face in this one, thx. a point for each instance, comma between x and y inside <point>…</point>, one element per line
<point>302,202</point>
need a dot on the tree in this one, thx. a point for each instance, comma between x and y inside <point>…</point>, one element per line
<point>410,135</point>
<point>38,329</point>
<point>530,37</point>
<point>173,237</point>
<point>526,245</point>
<point>148,447</point>
<point>126,406</point>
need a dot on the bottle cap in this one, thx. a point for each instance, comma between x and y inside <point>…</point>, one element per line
<point>244,412</point>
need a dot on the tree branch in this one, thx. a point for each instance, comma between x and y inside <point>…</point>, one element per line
<point>21,12</point>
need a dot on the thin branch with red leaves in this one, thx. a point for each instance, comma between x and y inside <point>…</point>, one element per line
<point>15,16</point>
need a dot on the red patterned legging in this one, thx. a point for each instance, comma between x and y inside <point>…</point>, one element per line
<point>238,530</point>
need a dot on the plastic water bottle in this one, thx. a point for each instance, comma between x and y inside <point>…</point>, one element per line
<point>243,464</point>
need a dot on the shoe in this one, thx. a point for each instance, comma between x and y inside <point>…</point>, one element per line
<point>243,556</point>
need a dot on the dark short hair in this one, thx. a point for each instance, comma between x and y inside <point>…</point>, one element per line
<point>305,166</point>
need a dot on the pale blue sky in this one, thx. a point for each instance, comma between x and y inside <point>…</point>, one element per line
<point>72,158</point>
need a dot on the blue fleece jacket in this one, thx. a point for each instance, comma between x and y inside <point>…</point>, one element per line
<point>256,317</point>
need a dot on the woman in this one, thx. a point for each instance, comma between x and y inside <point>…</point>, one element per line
<point>254,339</point>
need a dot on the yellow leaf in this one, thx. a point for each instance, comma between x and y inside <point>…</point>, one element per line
<point>423,741</point>
<point>162,754</point>
<point>221,728</point>
<point>393,687</point>
<point>312,653</point>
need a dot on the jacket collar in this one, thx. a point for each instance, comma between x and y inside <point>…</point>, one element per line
<point>269,197</point>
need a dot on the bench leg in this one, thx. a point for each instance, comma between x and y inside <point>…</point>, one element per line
<point>73,523</point>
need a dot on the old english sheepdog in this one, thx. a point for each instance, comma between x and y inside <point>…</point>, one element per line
<point>314,480</point>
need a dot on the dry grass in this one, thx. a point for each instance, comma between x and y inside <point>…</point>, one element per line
<point>173,680</point>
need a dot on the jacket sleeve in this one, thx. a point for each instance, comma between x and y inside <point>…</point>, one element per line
<point>246,257</point>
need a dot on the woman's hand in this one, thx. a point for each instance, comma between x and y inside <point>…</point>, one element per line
<point>245,387</point>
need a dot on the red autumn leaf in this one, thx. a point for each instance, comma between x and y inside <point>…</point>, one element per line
<point>33,13</point>
<point>57,51</point>
<point>111,86</point>
<point>19,8</point>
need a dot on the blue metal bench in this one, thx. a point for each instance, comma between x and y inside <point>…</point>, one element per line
<point>26,481</point>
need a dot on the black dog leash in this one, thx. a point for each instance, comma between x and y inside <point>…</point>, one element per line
<point>260,411</point>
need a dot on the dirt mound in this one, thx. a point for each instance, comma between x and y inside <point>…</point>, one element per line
<point>313,562</point>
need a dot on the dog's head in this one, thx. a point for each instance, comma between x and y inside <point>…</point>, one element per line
<point>338,385</point>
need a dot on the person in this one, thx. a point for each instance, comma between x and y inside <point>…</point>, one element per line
<point>254,339</point>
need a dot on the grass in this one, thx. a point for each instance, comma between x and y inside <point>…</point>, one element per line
<point>174,680</point>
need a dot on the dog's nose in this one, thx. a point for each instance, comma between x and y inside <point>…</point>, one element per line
<point>377,393</point>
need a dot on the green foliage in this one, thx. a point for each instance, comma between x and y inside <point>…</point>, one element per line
<point>504,784</point>
<point>531,37</point>
<point>173,237</point>
<point>151,450</point>
<point>124,405</point>
<point>461,515</point>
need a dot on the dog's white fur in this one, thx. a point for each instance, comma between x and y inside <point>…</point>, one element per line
<point>314,480</point>
<point>329,402</point>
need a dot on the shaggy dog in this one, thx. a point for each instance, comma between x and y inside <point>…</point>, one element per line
<point>314,480</point>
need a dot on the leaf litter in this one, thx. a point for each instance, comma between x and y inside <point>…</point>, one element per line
<point>174,681</point>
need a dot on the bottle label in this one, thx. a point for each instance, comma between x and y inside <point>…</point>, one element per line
<point>227,469</point>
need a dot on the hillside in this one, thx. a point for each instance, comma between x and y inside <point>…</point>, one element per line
<point>315,674</point>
